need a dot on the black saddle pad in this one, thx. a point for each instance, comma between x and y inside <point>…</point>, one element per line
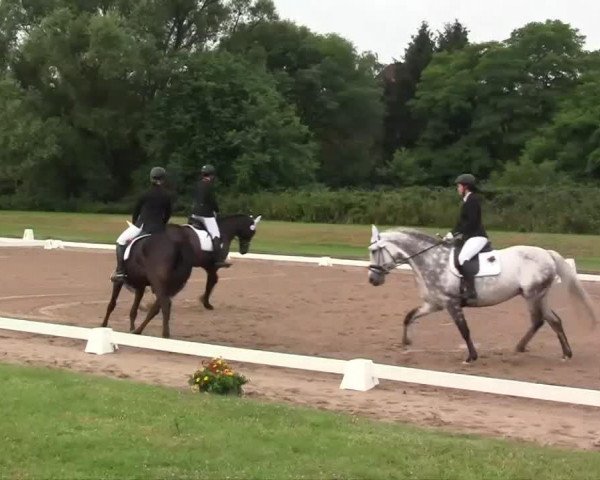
<point>470,266</point>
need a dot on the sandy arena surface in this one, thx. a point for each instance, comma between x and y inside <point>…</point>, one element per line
<point>331,312</point>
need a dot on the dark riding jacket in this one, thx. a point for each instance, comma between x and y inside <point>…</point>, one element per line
<point>153,210</point>
<point>469,220</point>
<point>205,201</point>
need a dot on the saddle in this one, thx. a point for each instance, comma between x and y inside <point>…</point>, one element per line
<point>486,263</point>
<point>206,243</point>
<point>195,223</point>
<point>129,247</point>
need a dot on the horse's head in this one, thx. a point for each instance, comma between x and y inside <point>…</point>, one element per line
<point>244,228</point>
<point>382,255</point>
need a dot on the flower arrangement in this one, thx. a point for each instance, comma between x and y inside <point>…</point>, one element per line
<point>217,377</point>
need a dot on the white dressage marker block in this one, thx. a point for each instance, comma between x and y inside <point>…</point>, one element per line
<point>325,262</point>
<point>28,234</point>
<point>100,341</point>
<point>359,374</point>
<point>52,244</point>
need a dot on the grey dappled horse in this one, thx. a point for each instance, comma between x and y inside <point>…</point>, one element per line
<point>524,270</point>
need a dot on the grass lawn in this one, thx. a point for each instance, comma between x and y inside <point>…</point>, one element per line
<point>56,424</point>
<point>348,241</point>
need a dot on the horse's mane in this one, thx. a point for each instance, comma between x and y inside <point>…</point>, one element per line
<point>424,237</point>
<point>233,216</point>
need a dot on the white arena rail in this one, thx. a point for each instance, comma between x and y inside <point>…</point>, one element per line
<point>50,244</point>
<point>358,374</point>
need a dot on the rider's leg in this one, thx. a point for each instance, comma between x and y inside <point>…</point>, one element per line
<point>471,248</point>
<point>127,236</point>
<point>213,230</point>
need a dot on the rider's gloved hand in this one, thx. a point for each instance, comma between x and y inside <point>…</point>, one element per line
<point>449,236</point>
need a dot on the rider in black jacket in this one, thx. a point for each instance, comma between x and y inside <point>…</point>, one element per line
<point>150,215</point>
<point>206,209</point>
<point>470,225</point>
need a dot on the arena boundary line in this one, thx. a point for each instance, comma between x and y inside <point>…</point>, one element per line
<point>321,261</point>
<point>513,388</point>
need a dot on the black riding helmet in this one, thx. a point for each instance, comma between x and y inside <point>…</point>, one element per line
<point>158,173</point>
<point>208,170</point>
<point>468,180</point>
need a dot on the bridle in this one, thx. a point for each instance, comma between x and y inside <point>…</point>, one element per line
<point>387,268</point>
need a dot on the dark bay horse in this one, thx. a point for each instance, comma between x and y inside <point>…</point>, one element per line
<point>161,263</point>
<point>242,227</point>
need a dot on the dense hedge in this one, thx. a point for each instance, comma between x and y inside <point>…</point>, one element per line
<point>532,210</point>
<point>575,210</point>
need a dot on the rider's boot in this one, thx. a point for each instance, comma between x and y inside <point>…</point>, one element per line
<point>468,291</point>
<point>120,275</point>
<point>220,260</point>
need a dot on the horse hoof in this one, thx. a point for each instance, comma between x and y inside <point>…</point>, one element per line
<point>406,342</point>
<point>521,349</point>
<point>205,303</point>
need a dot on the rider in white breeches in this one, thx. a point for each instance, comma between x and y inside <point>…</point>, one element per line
<point>129,234</point>
<point>150,215</point>
<point>472,247</point>
<point>205,210</point>
<point>471,228</point>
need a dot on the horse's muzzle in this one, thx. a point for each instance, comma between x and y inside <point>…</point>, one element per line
<point>244,247</point>
<point>376,277</point>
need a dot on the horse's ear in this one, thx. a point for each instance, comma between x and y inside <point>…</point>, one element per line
<point>375,237</point>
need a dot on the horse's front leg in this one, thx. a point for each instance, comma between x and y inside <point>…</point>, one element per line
<point>139,294</point>
<point>116,290</point>
<point>212,279</point>
<point>415,313</point>
<point>456,312</point>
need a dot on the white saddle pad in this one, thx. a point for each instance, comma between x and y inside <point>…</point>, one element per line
<point>205,240</point>
<point>128,249</point>
<point>489,264</point>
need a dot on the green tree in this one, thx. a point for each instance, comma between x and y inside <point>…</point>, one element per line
<point>401,128</point>
<point>454,36</point>
<point>91,68</point>
<point>332,87</point>
<point>29,148</point>
<point>483,103</point>
<point>572,141</point>
<point>219,109</point>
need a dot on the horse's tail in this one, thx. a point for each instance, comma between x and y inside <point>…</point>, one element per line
<point>182,268</point>
<point>569,277</point>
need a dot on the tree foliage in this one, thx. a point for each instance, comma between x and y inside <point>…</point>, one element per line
<point>94,92</point>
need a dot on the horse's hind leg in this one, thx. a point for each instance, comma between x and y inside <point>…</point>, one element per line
<point>537,320</point>
<point>165,306</point>
<point>555,323</point>
<point>211,280</point>
<point>139,294</point>
<point>411,316</point>
<point>113,301</point>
